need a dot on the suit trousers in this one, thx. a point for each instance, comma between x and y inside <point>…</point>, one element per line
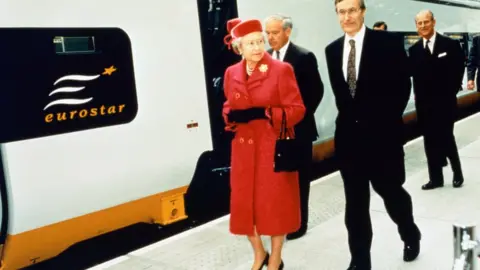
<point>439,142</point>
<point>387,176</point>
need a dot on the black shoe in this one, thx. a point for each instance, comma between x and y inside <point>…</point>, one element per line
<point>411,250</point>
<point>457,181</point>
<point>432,185</point>
<point>360,262</point>
<point>295,235</point>
<point>280,267</point>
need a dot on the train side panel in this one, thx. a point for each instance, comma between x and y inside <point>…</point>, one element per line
<point>69,187</point>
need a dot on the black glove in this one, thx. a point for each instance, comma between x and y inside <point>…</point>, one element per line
<point>245,116</point>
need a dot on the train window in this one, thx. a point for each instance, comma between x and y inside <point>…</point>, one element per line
<point>65,45</point>
<point>86,81</point>
<point>410,39</point>
<point>473,4</point>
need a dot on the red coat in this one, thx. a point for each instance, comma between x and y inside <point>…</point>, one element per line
<point>259,196</point>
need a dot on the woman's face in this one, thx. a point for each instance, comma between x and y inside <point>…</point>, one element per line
<point>253,46</point>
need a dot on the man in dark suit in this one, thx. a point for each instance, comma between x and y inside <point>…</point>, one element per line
<point>304,63</point>
<point>368,72</point>
<point>438,66</point>
<point>474,64</point>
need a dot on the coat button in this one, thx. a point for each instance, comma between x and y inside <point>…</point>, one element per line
<point>241,140</point>
<point>237,95</point>
<point>250,141</point>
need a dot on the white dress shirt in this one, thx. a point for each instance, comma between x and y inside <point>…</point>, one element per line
<point>432,42</point>
<point>359,37</point>
<point>282,52</point>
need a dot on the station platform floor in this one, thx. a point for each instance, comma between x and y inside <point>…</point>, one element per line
<point>325,247</point>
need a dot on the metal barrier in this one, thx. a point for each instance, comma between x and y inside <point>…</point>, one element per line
<point>466,247</point>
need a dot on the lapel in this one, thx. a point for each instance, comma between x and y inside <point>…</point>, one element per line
<point>364,56</point>
<point>289,53</point>
<point>338,61</point>
<point>239,75</point>
<point>438,46</point>
<point>260,73</point>
<point>419,50</point>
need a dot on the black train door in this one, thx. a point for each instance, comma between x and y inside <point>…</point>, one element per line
<point>213,15</point>
<point>208,195</point>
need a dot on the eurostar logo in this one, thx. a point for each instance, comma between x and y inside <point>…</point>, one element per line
<point>109,71</point>
<point>82,112</point>
<point>68,89</point>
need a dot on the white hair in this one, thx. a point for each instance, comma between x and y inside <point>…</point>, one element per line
<point>286,20</point>
<point>236,42</point>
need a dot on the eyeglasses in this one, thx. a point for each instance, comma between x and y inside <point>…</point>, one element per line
<point>350,11</point>
<point>252,43</point>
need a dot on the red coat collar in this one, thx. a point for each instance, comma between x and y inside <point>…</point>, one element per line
<point>261,71</point>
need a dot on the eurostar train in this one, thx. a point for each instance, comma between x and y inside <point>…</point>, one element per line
<point>110,108</point>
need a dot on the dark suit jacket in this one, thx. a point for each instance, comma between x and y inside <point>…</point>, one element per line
<point>474,61</point>
<point>304,64</point>
<point>370,125</point>
<point>437,78</point>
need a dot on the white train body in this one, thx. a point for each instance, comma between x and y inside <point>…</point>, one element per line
<point>65,188</point>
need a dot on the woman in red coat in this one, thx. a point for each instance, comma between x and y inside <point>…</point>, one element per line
<point>258,89</point>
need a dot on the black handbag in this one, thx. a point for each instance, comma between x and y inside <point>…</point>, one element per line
<point>286,157</point>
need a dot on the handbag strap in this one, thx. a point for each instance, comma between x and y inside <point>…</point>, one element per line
<point>283,127</point>
<point>286,133</point>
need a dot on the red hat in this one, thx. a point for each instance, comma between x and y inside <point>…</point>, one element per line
<point>246,27</point>
<point>237,29</point>
<point>232,23</point>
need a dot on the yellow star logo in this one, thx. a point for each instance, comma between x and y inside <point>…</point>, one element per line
<point>109,71</point>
